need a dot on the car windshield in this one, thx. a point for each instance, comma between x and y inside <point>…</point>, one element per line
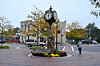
<point>29,40</point>
<point>35,41</point>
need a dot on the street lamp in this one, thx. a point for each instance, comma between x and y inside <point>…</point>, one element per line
<point>57,33</point>
<point>50,17</point>
<point>61,37</point>
<point>28,28</point>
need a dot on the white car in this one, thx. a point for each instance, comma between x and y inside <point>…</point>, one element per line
<point>31,43</point>
<point>94,42</point>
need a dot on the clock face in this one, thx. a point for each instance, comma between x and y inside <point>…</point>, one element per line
<point>48,15</point>
<point>55,15</point>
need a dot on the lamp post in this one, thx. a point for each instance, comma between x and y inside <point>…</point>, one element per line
<point>61,38</point>
<point>57,34</point>
<point>50,17</point>
<point>28,28</point>
<point>88,34</point>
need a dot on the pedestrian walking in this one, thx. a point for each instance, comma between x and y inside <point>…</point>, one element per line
<point>79,47</point>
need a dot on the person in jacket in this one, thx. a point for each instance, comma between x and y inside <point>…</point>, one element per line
<point>79,47</point>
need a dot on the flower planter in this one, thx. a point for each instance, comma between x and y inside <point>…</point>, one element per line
<point>46,53</point>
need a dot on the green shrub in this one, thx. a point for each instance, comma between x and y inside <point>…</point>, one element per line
<point>73,43</point>
<point>22,43</point>
<point>36,48</point>
<point>55,51</point>
<point>4,47</point>
<point>9,42</point>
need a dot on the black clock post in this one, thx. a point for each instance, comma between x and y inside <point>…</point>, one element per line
<point>50,17</point>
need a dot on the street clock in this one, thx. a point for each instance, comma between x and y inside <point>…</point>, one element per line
<point>50,16</point>
<point>55,15</point>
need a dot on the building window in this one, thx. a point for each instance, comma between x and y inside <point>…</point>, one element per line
<point>28,27</point>
<point>22,28</point>
<point>25,27</point>
<point>22,38</point>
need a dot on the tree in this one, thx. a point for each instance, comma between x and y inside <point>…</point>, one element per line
<point>3,26</point>
<point>15,29</point>
<point>9,33</point>
<point>89,28</point>
<point>38,23</point>
<point>76,32</point>
<point>93,31</point>
<point>74,25</point>
<point>39,26</point>
<point>95,3</point>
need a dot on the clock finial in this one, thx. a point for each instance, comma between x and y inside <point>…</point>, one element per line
<point>50,7</point>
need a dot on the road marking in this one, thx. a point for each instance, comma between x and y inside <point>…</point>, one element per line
<point>17,47</point>
<point>30,55</point>
<point>64,48</point>
<point>72,48</point>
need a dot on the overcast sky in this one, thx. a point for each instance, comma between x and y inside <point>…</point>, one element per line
<point>69,10</point>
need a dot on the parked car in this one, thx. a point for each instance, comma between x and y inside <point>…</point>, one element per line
<point>2,41</point>
<point>94,42</point>
<point>87,41</point>
<point>32,42</point>
<point>10,40</point>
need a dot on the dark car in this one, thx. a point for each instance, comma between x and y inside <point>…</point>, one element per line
<point>87,41</point>
<point>2,41</point>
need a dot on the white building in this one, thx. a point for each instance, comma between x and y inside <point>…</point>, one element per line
<point>26,27</point>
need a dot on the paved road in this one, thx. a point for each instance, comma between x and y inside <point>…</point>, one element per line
<point>19,46</point>
<point>90,48</point>
<point>19,57</point>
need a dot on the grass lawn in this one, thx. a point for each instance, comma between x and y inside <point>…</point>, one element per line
<point>36,48</point>
<point>4,47</point>
<point>22,43</point>
<point>9,42</point>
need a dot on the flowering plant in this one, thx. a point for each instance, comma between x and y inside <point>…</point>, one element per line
<point>46,54</point>
<point>55,54</point>
<point>61,53</point>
